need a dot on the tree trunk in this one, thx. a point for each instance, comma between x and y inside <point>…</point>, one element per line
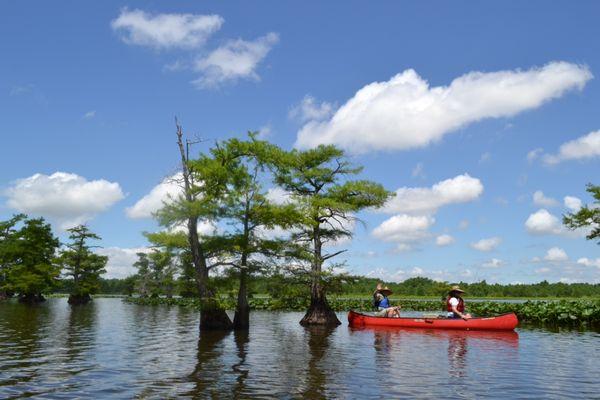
<point>241,320</point>
<point>212,317</point>
<point>78,299</point>
<point>32,298</point>
<point>4,295</point>
<point>319,312</point>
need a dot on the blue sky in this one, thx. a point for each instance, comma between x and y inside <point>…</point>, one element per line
<point>472,106</point>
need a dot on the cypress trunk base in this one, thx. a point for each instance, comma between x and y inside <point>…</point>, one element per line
<point>77,299</point>
<point>31,298</point>
<point>4,296</point>
<point>241,319</point>
<point>215,319</point>
<point>319,313</point>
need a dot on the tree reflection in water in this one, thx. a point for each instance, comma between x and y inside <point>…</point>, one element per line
<point>240,368</point>
<point>209,369</point>
<point>318,344</point>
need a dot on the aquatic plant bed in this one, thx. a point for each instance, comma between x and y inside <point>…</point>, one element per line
<point>560,313</point>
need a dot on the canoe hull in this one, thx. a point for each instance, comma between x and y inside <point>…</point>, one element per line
<point>505,322</point>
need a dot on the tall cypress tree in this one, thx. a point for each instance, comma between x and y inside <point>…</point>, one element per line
<point>81,265</point>
<point>328,201</point>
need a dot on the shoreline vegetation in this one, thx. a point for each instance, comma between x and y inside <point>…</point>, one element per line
<point>584,313</point>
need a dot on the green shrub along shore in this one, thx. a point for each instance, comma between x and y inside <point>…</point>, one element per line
<point>568,313</point>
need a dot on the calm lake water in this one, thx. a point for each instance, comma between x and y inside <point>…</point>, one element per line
<point>111,349</point>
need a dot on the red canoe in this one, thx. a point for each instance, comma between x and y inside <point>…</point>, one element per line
<point>504,322</point>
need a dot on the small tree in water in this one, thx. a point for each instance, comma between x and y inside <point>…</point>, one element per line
<point>33,271</point>
<point>316,178</point>
<point>8,255</point>
<point>81,265</point>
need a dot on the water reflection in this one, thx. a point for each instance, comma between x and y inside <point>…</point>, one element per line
<point>240,368</point>
<point>111,349</point>
<point>317,374</point>
<point>208,371</point>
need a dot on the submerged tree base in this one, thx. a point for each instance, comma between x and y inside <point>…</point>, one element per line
<point>31,298</point>
<point>320,313</point>
<point>215,319</point>
<point>77,299</point>
<point>241,319</point>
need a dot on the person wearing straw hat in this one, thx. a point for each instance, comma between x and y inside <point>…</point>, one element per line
<point>382,303</point>
<point>455,305</point>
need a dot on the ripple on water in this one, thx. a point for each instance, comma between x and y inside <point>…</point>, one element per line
<point>111,349</point>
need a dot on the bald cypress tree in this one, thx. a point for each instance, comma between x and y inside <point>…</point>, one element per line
<point>82,266</point>
<point>327,200</point>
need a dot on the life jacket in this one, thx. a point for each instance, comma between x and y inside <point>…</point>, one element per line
<point>460,307</point>
<point>376,300</point>
<point>384,303</point>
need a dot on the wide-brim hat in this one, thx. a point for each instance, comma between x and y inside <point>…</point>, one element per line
<point>385,291</point>
<point>456,288</point>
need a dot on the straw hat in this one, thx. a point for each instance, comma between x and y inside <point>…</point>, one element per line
<point>456,288</point>
<point>385,291</point>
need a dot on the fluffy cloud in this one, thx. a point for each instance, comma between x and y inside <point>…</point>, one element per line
<point>121,260</point>
<point>164,31</point>
<point>589,262</point>
<point>236,59</point>
<point>67,199</point>
<point>543,223</point>
<point>278,195</point>
<point>572,203</point>
<point>585,147</point>
<point>534,154</point>
<point>444,240</point>
<point>404,230</point>
<point>487,244</point>
<point>405,112</point>
<point>310,110</point>
<point>542,201</point>
<point>460,189</point>
<point>145,207</point>
<point>556,254</point>
<point>493,263</point>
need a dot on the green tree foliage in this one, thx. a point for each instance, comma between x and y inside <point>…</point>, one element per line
<point>199,200</point>
<point>32,271</point>
<point>587,216</point>
<point>82,266</point>
<point>143,278</point>
<point>240,167</point>
<point>8,254</point>
<point>327,201</point>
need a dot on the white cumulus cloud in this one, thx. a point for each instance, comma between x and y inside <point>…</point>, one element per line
<point>543,222</point>
<point>589,262</point>
<point>540,200</point>
<point>310,109</point>
<point>488,244</point>
<point>236,59</point>
<point>65,198</point>
<point>145,207</point>
<point>572,203</point>
<point>493,263</point>
<point>582,148</point>
<point>556,254</point>
<point>164,31</point>
<point>444,240</point>
<point>404,230</point>
<point>121,260</point>
<point>460,189</point>
<point>405,112</point>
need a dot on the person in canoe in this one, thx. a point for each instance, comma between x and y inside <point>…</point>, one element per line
<point>455,305</point>
<point>382,304</point>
